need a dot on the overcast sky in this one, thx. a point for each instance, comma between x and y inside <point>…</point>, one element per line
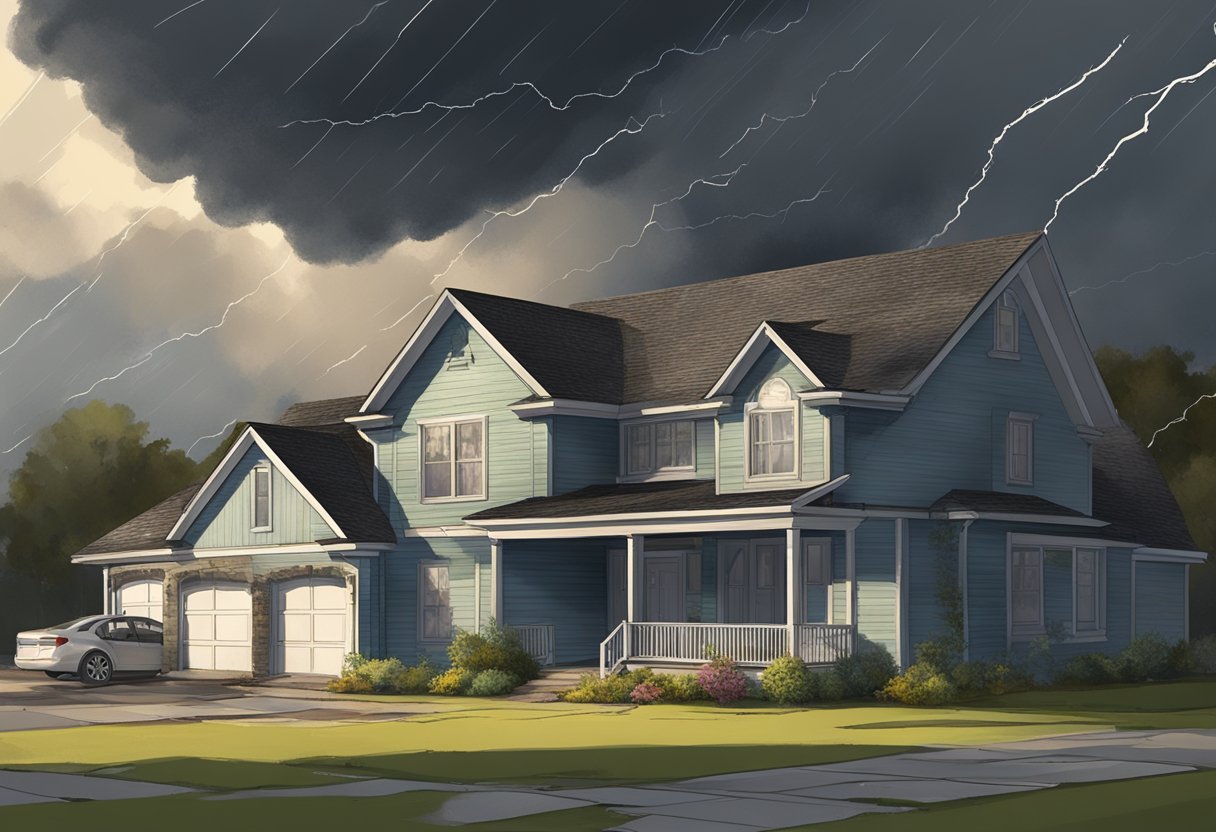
<point>211,209</point>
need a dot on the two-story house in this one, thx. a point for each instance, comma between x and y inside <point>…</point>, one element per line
<point>783,462</point>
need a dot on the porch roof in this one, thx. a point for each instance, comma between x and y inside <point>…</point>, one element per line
<point>1001,502</point>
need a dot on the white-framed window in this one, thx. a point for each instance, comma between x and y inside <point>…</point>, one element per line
<point>1026,591</point>
<point>1005,328</point>
<point>817,564</point>
<point>434,602</point>
<point>453,459</point>
<point>1019,449</point>
<point>658,447</point>
<point>772,433</point>
<point>262,519</point>
<point>1088,586</point>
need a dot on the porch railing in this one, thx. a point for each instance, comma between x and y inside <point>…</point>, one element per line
<point>750,644</point>
<point>539,641</point>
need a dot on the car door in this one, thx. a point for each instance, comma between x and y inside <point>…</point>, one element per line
<point>151,635</point>
<point>122,643</point>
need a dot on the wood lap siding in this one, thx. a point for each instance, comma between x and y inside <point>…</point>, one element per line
<point>1160,589</point>
<point>228,516</point>
<point>585,452</point>
<point>874,548</point>
<point>401,591</point>
<point>564,583</point>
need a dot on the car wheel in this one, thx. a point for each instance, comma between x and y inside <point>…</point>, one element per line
<point>96,668</point>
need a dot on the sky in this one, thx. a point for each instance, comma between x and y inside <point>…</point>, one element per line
<point>211,209</point>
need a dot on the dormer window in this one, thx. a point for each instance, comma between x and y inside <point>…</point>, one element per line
<point>1005,336</point>
<point>262,520</point>
<point>659,447</point>
<point>771,432</point>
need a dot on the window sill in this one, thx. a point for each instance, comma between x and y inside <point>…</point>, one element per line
<point>1086,638</point>
<point>1021,483</point>
<point>426,501</point>
<point>1005,355</point>
<point>262,529</point>
<point>659,476</point>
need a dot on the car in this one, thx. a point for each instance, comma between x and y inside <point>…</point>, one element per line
<point>94,648</point>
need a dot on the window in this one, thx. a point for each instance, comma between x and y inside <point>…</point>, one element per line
<point>148,631</point>
<point>770,430</point>
<point>1026,591</point>
<point>1005,337</point>
<point>1087,592</point>
<point>435,608</point>
<point>653,447</point>
<point>261,500</point>
<point>817,566</point>
<point>453,460</point>
<point>116,630</point>
<point>1019,449</point>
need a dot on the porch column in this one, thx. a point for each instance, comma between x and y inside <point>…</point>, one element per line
<point>635,545</point>
<point>105,590</point>
<point>496,581</point>
<point>793,586</point>
<point>850,566</point>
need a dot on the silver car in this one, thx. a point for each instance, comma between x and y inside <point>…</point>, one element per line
<point>96,648</point>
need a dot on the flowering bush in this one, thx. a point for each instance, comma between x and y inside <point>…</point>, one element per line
<point>363,675</point>
<point>724,682</point>
<point>454,681</point>
<point>920,684</point>
<point>646,693</point>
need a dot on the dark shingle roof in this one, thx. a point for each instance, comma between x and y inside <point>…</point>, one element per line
<point>1131,493</point>
<point>574,355</point>
<point>636,498</point>
<point>882,318</point>
<point>1001,502</point>
<point>147,530</point>
<point>323,463</point>
<point>323,412</point>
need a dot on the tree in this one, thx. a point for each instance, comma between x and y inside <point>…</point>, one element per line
<point>1151,390</point>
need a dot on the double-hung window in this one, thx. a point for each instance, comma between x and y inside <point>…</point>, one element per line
<point>454,459</point>
<point>1087,592</point>
<point>262,520</point>
<point>771,440</point>
<point>1057,586</point>
<point>1026,591</point>
<point>434,602</point>
<point>1005,335</point>
<point>656,447</point>
<point>1019,449</point>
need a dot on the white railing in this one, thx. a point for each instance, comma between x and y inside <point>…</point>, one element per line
<point>614,650</point>
<point>824,643</point>
<point>538,640</point>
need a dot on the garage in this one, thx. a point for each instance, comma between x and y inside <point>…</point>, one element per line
<point>312,626</point>
<point>142,598</point>
<point>217,626</point>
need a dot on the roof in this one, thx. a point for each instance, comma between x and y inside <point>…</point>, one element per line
<point>323,412</point>
<point>574,355</point>
<point>867,323</point>
<point>144,531</point>
<point>637,498</point>
<point>325,466</point>
<point>1130,493</point>
<point>1001,502</point>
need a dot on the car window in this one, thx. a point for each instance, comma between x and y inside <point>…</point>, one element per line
<point>148,631</point>
<point>116,630</point>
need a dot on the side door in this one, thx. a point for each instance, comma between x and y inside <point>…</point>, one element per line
<point>664,589</point>
<point>151,635</point>
<point>767,585</point>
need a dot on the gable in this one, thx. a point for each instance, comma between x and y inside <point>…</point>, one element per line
<point>226,519</point>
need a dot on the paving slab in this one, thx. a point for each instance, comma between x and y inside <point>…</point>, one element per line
<point>81,787</point>
<point>774,780</point>
<point>663,823</point>
<point>634,796</point>
<point>762,812</point>
<point>479,807</point>
<point>1043,769</point>
<point>356,788</point>
<point>23,720</point>
<point>12,797</point>
<point>920,791</point>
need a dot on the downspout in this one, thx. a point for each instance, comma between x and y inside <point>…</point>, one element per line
<point>962,585</point>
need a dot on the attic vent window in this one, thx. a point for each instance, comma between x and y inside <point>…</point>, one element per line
<point>460,356</point>
<point>1005,334</point>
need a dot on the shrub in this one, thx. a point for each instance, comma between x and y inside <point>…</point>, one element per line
<point>452,682</point>
<point>993,678</point>
<point>645,693</point>
<point>495,648</point>
<point>826,685</point>
<point>1178,660</point>
<point>787,681</point>
<point>680,687</point>
<point>1089,669</point>
<point>492,682</point>
<point>865,672</point>
<point>611,691</point>
<point>940,653</point>
<point>1146,657</point>
<point>363,675</point>
<point>724,682</point>
<point>920,684</point>
<point>1202,655</point>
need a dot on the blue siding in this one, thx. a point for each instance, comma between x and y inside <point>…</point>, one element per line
<point>874,550</point>
<point>987,598</point>
<point>227,518</point>
<point>564,583</point>
<point>952,434</point>
<point>1160,600</point>
<point>585,452</point>
<point>928,556</point>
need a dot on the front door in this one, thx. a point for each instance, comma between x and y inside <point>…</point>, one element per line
<point>664,599</point>
<point>618,589</point>
<point>754,582</point>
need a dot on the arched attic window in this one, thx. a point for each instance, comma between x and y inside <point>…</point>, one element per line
<point>772,432</point>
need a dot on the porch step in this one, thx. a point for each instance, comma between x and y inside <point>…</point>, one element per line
<point>551,681</point>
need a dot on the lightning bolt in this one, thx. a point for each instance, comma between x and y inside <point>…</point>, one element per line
<point>126,232</point>
<point>341,37</point>
<point>148,355</point>
<point>1162,94</point>
<point>246,43</point>
<point>1179,419</point>
<point>411,311</point>
<point>179,11</point>
<point>1000,137</point>
<point>9,113</point>
<point>16,286</point>
<point>1139,272</point>
<point>346,360</point>
<point>42,319</point>
<point>783,213</point>
<point>18,445</point>
<point>393,113</point>
<point>766,117</point>
<point>215,435</point>
<point>627,130</point>
<point>396,40</point>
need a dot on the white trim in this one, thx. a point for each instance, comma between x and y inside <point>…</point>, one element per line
<point>850,576</point>
<point>1014,517</point>
<point>794,408</point>
<point>443,531</point>
<point>795,587</point>
<point>1147,553</point>
<point>496,609</point>
<point>902,603</point>
<point>107,600</point>
<point>846,398</point>
<point>370,421</point>
<point>1098,633</point>
<point>751,352</point>
<point>186,553</point>
<point>253,514</point>
<point>818,491</point>
<point>477,596</point>
<point>1186,603</point>
<point>454,463</point>
<point>717,457</point>
<point>964,589</point>
<point>211,486</point>
<point>400,367</point>
<point>635,549</point>
<point>1006,300</point>
<point>1132,617</point>
<point>827,442</point>
<point>691,526</point>
<point>634,410</point>
<point>1023,539</point>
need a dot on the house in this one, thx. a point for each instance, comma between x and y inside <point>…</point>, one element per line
<point>782,462</point>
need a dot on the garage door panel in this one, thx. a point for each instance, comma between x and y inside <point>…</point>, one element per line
<point>141,598</point>
<point>329,627</point>
<point>200,627</point>
<point>297,659</point>
<point>200,599</point>
<point>313,626</point>
<point>217,627</point>
<point>231,657</point>
<point>199,657</point>
<point>231,598</point>
<point>329,597</point>
<point>328,660</point>
<point>297,627</point>
<point>232,627</point>
<point>296,598</point>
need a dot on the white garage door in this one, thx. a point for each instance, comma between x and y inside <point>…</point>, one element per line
<point>217,626</point>
<point>312,634</point>
<point>142,598</point>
